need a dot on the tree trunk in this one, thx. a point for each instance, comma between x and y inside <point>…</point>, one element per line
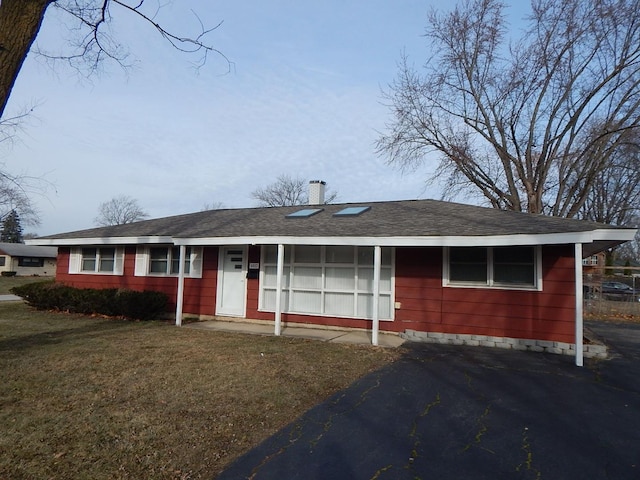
<point>20,22</point>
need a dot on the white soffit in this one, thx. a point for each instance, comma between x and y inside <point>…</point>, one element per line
<point>612,235</point>
<point>63,242</point>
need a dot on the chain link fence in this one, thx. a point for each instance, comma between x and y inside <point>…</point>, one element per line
<point>612,297</point>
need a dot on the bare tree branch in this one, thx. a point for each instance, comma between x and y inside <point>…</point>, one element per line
<point>16,192</point>
<point>212,206</point>
<point>528,126</point>
<point>287,191</point>
<point>94,42</point>
<point>10,126</point>
<point>120,210</point>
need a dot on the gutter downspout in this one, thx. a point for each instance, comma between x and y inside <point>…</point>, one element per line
<point>375,327</point>
<point>279,274</point>
<point>579,306</point>
<point>180,295</point>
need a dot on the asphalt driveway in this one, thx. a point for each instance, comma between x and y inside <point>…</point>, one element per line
<point>450,412</point>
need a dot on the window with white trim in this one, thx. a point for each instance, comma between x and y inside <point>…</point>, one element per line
<point>327,280</point>
<point>97,260</point>
<point>590,261</point>
<point>500,267</point>
<point>165,261</point>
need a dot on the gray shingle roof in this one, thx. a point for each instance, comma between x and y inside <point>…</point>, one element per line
<point>424,218</point>
<point>22,250</point>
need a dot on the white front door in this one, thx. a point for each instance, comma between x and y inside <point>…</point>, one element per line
<point>232,278</point>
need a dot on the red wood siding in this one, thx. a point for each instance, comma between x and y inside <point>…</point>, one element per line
<point>428,306</point>
<point>199,294</point>
<point>253,289</point>
<point>424,304</point>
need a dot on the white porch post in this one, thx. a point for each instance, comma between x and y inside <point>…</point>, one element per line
<point>579,306</point>
<point>280,270</point>
<point>375,326</point>
<point>180,295</point>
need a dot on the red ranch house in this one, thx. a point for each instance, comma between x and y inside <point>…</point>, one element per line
<point>422,268</point>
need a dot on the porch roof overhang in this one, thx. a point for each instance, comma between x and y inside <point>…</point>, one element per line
<point>99,241</point>
<point>402,223</point>
<point>593,241</point>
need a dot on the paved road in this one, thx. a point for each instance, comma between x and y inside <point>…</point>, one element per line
<point>450,412</point>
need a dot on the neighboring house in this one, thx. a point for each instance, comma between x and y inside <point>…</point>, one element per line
<point>594,264</point>
<point>28,259</point>
<point>416,265</point>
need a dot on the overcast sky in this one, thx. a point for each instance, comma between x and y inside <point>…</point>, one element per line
<point>303,97</point>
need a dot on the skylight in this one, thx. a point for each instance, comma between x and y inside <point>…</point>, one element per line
<point>304,213</point>
<point>351,211</point>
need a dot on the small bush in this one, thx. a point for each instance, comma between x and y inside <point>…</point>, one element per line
<point>109,301</point>
<point>8,274</point>
<point>34,294</point>
<point>141,305</point>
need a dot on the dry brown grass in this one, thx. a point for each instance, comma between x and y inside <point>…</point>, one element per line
<point>600,309</point>
<point>96,398</point>
<point>7,283</point>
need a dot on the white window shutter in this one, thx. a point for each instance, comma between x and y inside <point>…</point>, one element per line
<point>196,262</point>
<point>142,261</point>
<point>118,267</point>
<point>75,260</point>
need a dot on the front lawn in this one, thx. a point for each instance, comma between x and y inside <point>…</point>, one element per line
<point>96,398</point>
<point>7,283</point>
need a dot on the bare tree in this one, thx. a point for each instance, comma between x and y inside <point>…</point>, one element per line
<point>93,41</point>
<point>615,195</point>
<point>15,193</point>
<point>212,206</point>
<point>630,250</point>
<point>287,191</point>
<point>119,211</point>
<point>10,126</point>
<point>528,126</point>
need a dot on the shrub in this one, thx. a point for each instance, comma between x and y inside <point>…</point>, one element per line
<point>109,301</point>
<point>40,295</point>
<point>8,274</point>
<point>141,305</point>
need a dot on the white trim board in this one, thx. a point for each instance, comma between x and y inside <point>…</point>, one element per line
<point>584,237</point>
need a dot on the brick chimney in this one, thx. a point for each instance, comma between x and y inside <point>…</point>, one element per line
<point>316,192</point>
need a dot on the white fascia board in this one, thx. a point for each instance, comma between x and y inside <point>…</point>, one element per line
<point>435,241</point>
<point>69,242</point>
<point>615,234</point>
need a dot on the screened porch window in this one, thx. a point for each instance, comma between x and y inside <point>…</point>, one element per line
<point>327,280</point>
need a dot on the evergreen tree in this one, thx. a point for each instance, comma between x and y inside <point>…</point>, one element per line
<point>11,228</point>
